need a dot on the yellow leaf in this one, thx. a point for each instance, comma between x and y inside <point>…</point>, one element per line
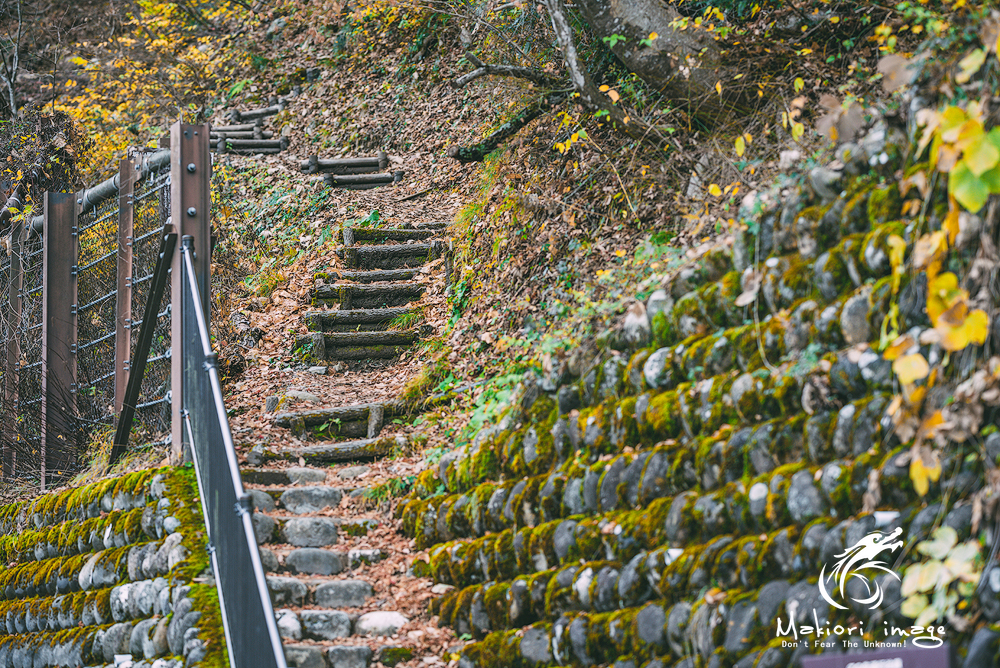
<point>620,253</point>
<point>970,65</point>
<point>748,137</point>
<point>805,52</point>
<point>951,221</point>
<point>972,330</point>
<point>898,347</point>
<point>653,36</point>
<point>799,84</point>
<point>942,293</point>
<point>928,252</point>
<point>714,190</point>
<point>718,87</point>
<point>911,368</point>
<point>613,94</point>
<point>918,474</point>
<point>604,89</point>
<point>741,146</point>
<point>896,249</point>
<point>798,130</point>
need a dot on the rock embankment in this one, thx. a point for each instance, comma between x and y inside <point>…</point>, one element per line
<point>674,504</point>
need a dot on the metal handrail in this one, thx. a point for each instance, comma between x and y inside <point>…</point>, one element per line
<point>249,623</point>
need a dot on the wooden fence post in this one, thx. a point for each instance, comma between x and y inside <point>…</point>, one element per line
<point>59,333</point>
<point>123,305</point>
<point>190,206</point>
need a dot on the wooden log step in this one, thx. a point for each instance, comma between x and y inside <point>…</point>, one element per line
<point>330,346</point>
<point>355,413</point>
<point>238,116</point>
<point>362,181</point>
<point>281,144</point>
<point>251,134</point>
<point>246,127</point>
<point>392,256</point>
<point>354,320</point>
<point>433,225</point>
<point>376,163</point>
<point>245,151</point>
<point>363,449</point>
<point>377,276</point>
<point>368,296</point>
<point>353,235</point>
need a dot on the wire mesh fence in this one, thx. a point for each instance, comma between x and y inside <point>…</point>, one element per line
<point>151,208</point>
<point>113,249</point>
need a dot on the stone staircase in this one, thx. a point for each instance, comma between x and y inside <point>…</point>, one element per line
<point>329,609</point>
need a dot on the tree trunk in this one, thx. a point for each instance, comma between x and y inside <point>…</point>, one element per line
<point>684,65</point>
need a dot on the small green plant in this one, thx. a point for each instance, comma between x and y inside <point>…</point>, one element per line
<point>613,40</point>
<point>405,321</point>
<point>943,585</point>
<point>393,488</point>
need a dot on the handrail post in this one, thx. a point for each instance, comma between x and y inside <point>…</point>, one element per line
<point>13,357</point>
<point>59,332</point>
<point>190,205</point>
<point>123,304</point>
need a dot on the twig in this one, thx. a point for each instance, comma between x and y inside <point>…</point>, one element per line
<point>484,69</point>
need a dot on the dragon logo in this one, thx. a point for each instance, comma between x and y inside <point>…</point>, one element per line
<point>859,557</point>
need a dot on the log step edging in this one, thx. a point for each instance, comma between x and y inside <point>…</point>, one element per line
<point>343,166</point>
<point>363,181</point>
<point>362,449</point>
<point>352,297</point>
<point>355,319</point>
<point>353,235</point>
<point>377,276</point>
<point>392,256</point>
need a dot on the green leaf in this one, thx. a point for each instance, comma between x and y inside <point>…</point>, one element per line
<point>970,191</point>
<point>914,605</point>
<point>911,581</point>
<point>981,157</point>
<point>970,65</point>
<point>943,539</point>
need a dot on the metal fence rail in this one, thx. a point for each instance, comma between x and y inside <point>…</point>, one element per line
<point>247,614</point>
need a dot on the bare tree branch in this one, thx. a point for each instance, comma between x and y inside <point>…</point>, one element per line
<point>8,74</point>
<point>506,131</point>
<point>590,97</point>
<point>529,73</point>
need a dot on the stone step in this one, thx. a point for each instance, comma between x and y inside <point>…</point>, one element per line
<point>378,235</point>
<point>352,297</point>
<point>289,476</point>
<point>362,449</point>
<point>295,592</point>
<point>307,531</point>
<point>355,320</point>
<point>331,346</point>
<point>390,256</point>
<point>319,561</point>
<point>377,276</point>
<point>336,624</point>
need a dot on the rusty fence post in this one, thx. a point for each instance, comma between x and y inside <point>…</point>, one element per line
<point>59,333</point>
<point>123,304</point>
<point>190,206</point>
<point>12,365</point>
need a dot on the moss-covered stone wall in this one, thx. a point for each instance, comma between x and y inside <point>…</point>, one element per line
<point>117,567</point>
<point>668,505</point>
